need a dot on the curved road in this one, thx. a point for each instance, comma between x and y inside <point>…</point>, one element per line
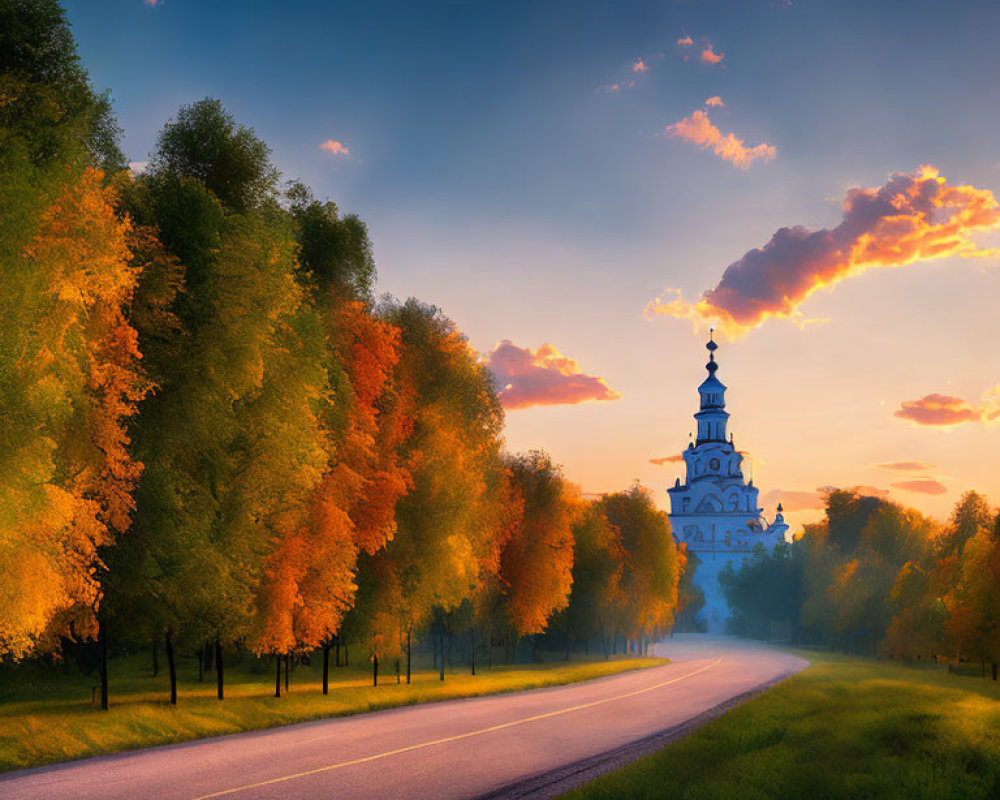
<point>504,746</point>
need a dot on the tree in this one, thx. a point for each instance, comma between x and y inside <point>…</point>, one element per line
<point>765,594</point>
<point>205,143</point>
<point>649,582</point>
<point>335,251</point>
<point>536,562</point>
<point>444,421</point>
<point>598,567</point>
<point>69,370</point>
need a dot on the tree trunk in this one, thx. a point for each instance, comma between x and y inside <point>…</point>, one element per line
<point>534,649</point>
<point>374,669</point>
<point>398,680</point>
<point>201,663</point>
<point>441,659</point>
<point>409,640</point>
<point>209,660</point>
<point>102,643</point>
<point>347,656</point>
<point>473,649</point>
<point>994,670</point>
<point>156,656</point>
<point>218,669</point>
<point>171,668</point>
<point>288,669</point>
<point>277,675</point>
<point>326,668</point>
<point>490,647</point>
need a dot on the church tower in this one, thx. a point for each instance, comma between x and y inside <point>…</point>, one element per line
<point>714,511</point>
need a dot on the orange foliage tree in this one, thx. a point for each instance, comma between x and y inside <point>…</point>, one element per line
<point>69,367</point>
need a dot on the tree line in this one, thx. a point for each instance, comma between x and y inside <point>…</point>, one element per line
<point>874,577</point>
<point>214,435</point>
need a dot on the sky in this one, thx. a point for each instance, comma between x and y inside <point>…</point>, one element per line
<point>586,187</point>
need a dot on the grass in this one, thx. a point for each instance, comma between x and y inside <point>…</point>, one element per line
<point>47,716</point>
<point>843,728</point>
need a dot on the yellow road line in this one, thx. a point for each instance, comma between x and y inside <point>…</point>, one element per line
<point>455,738</point>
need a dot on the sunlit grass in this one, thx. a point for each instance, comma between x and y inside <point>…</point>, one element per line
<point>843,728</point>
<point>48,716</point>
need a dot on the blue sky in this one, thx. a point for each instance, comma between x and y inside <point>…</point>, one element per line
<point>502,181</point>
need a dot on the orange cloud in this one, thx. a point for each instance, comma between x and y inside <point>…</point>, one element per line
<point>685,41</point>
<point>640,66</point>
<point>709,56</point>
<point>667,460</point>
<point>914,217</point>
<point>698,129</point>
<point>794,500</point>
<point>945,409</point>
<point>544,377</point>
<point>906,466</point>
<point>335,147</point>
<point>715,101</point>
<point>923,486</point>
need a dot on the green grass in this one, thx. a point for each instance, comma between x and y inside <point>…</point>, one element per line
<point>843,728</point>
<point>47,716</point>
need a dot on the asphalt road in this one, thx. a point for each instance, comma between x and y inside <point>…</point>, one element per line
<point>502,746</point>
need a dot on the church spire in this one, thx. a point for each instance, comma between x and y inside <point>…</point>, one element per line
<point>712,415</point>
<point>711,366</point>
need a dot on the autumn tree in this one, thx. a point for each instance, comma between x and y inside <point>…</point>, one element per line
<point>442,398</point>
<point>235,442</point>
<point>68,355</point>
<point>649,582</point>
<point>536,562</point>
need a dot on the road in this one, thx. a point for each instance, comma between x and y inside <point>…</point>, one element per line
<point>527,744</point>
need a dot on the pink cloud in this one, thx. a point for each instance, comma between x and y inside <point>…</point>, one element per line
<point>544,377</point>
<point>906,466</point>
<point>945,409</point>
<point>640,66</point>
<point>335,147</point>
<point>685,41</point>
<point>715,101</point>
<point>709,56</point>
<point>698,129</point>
<point>922,486</point>
<point>666,460</point>
<point>914,217</point>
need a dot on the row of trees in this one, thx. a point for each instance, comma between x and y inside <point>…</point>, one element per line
<point>874,577</point>
<point>211,432</point>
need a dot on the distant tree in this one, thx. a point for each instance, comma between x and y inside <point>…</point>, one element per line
<point>765,594</point>
<point>690,597</point>
<point>598,567</point>
<point>649,582</point>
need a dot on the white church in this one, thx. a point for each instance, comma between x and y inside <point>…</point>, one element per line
<point>714,512</point>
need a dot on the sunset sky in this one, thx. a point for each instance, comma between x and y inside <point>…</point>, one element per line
<point>569,181</point>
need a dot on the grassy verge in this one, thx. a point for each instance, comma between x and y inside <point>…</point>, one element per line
<point>843,728</point>
<point>48,717</point>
